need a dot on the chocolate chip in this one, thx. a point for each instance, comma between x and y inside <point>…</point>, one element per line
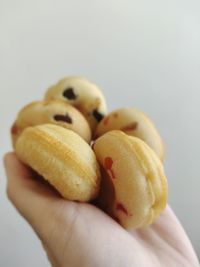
<point>65,118</point>
<point>98,116</point>
<point>69,93</point>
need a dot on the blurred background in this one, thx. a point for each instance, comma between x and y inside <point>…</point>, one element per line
<point>142,53</point>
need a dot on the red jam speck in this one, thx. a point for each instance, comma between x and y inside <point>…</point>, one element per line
<point>121,208</point>
<point>130,127</point>
<point>14,129</point>
<point>108,162</point>
<point>105,121</point>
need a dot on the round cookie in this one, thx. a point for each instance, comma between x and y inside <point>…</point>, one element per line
<point>63,158</point>
<point>82,94</point>
<point>51,111</point>
<point>134,187</point>
<point>135,123</point>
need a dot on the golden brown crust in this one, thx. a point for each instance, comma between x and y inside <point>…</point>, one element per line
<point>134,123</point>
<point>51,111</point>
<point>63,158</point>
<point>82,94</point>
<point>137,176</point>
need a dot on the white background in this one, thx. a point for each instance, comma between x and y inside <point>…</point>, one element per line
<point>143,53</point>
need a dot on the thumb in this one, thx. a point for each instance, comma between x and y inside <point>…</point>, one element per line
<point>35,199</point>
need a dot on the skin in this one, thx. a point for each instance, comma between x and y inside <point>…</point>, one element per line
<point>80,234</point>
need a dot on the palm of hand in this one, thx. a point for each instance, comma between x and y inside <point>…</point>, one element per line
<point>94,239</point>
<point>75,234</point>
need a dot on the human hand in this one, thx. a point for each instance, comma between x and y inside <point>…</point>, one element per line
<point>79,234</point>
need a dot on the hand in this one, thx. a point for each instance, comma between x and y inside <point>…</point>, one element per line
<point>75,234</point>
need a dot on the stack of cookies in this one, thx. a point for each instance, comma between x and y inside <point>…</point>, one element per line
<point>86,154</point>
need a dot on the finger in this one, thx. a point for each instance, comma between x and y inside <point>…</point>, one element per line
<point>35,200</point>
<point>21,184</point>
<point>167,230</point>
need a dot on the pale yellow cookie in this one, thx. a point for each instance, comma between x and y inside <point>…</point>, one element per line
<point>134,185</point>
<point>51,111</point>
<point>82,94</point>
<point>63,158</point>
<point>135,123</point>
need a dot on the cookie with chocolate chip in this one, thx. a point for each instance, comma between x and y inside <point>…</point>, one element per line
<point>83,95</point>
<point>135,123</point>
<point>51,111</point>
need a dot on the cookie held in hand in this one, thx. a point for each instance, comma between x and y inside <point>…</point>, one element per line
<point>135,123</point>
<point>82,94</point>
<point>134,187</point>
<point>63,158</point>
<point>51,111</point>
